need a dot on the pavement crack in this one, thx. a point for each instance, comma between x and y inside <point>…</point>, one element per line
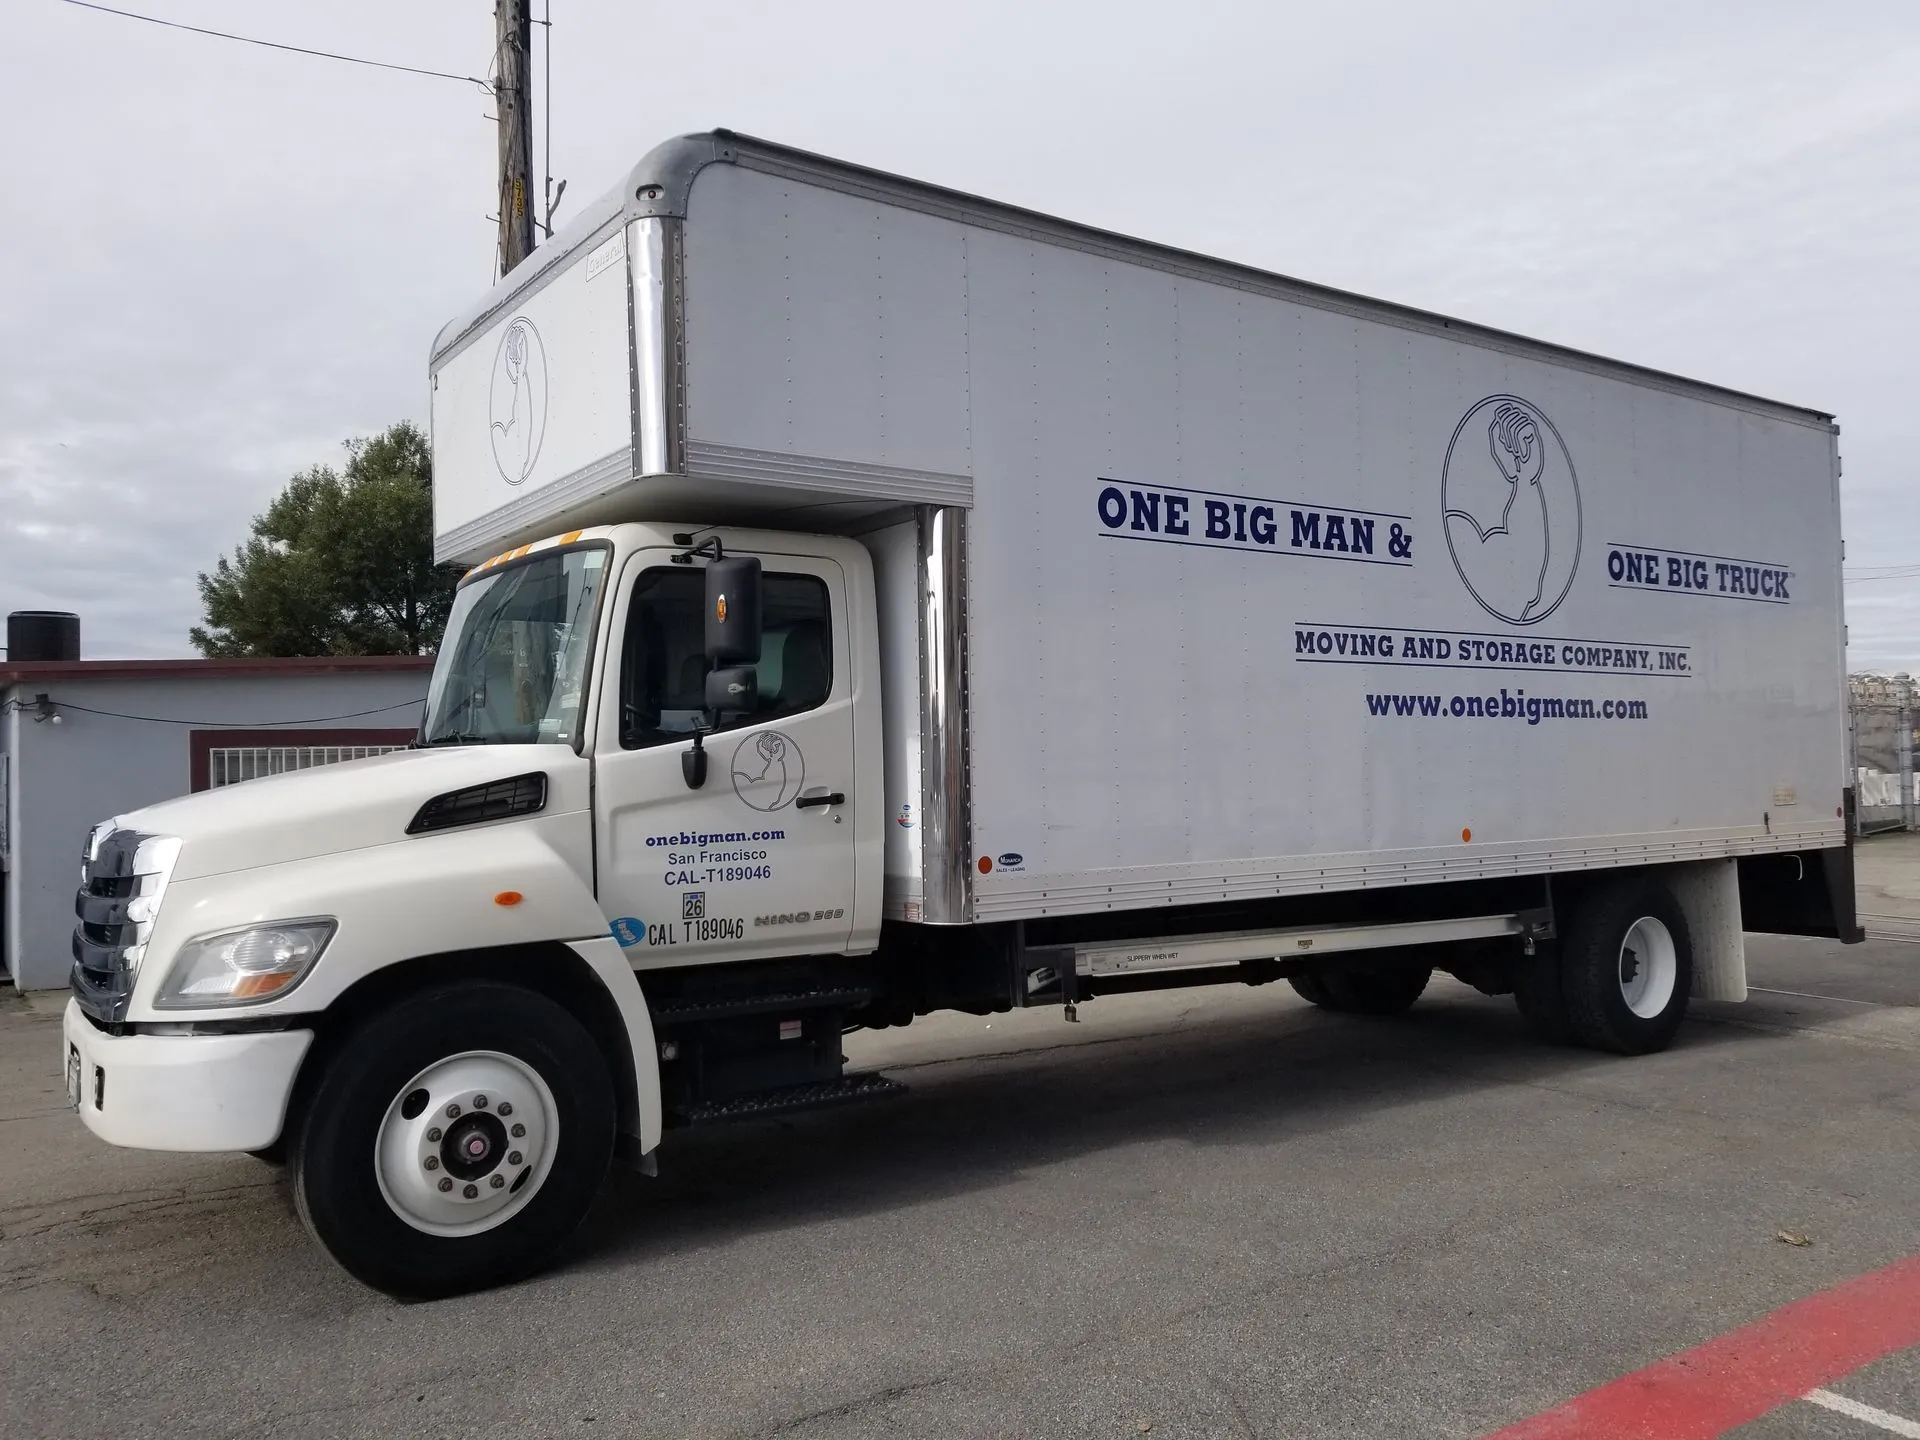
<point>854,1407</point>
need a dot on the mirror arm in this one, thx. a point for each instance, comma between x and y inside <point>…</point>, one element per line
<point>693,763</point>
<point>709,548</point>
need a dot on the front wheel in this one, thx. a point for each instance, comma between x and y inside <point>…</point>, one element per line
<point>456,1141</point>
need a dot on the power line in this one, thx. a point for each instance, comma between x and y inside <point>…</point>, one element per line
<point>276,45</point>
<point>219,724</point>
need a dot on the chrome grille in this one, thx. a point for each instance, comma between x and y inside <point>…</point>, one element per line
<point>121,880</point>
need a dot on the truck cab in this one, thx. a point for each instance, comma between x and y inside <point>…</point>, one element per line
<point>577,810</point>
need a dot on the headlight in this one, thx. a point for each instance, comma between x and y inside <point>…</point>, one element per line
<point>240,967</point>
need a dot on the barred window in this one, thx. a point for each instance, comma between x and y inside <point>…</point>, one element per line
<point>218,758</point>
<point>229,765</point>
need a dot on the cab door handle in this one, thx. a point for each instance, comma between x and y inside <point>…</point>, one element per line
<point>808,802</point>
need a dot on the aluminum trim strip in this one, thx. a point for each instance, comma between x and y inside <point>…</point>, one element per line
<point>484,532</point>
<point>659,346</point>
<point>1186,952</point>
<point>946,843</point>
<point>839,477</point>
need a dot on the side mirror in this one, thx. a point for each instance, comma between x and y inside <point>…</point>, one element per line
<point>733,648</point>
<point>735,690</point>
<point>733,614</point>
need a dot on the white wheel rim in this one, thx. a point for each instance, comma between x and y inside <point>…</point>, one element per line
<point>1649,967</point>
<point>475,1151</point>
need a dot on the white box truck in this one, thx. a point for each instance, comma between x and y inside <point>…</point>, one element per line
<point>883,600</point>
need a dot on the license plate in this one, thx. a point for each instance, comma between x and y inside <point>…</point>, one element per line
<point>73,1077</point>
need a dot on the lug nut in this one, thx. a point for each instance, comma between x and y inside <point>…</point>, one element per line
<point>433,1135</point>
<point>506,1107</point>
<point>453,1111</point>
<point>472,1192</point>
<point>445,1184</point>
<point>513,1157</point>
<point>479,1102</point>
<point>518,1131</point>
<point>433,1162</point>
<point>497,1181</point>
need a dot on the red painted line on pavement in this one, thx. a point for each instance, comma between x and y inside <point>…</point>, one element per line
<point>1713,1388</point>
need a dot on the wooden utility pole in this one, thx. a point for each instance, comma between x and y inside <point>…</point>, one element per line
<point>513,96</point>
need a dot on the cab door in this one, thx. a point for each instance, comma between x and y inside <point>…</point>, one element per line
<point>759,860</point>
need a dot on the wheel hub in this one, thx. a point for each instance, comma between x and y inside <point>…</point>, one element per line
<point>473,1146</point>
<point>466,1143</point>
<point>1649,967</point>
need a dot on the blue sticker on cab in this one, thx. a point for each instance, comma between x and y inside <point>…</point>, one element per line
<point>629,931</point>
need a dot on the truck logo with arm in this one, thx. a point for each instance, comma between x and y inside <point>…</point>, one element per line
<point>768,770</point>
<point>517,404</point>
<point>1511,506</point>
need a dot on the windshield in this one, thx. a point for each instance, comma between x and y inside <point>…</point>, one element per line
<point>513,663</point>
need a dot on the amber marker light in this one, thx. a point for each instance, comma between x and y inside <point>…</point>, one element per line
<point>508,898</point>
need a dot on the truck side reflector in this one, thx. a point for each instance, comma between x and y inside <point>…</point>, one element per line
<point>508,897</point>
<point>1465,835</point>
<point>986,864</point>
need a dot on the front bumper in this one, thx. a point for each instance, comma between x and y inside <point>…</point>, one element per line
<point>181,1092</point>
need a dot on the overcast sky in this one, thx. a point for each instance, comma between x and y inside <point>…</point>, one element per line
<point>221,261</point>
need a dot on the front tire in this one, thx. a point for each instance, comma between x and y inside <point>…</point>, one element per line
<point>1626,963</point>
<point>456,1142</point>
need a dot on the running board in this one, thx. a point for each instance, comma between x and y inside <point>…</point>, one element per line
<point>1191,952</point>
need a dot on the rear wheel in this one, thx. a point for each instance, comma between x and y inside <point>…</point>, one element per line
<point>1376,985</point>
<point>1311,986</point>
<point>456,1142</point>
<point>1626,967</point>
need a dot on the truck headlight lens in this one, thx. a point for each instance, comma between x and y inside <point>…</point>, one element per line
<point>240,967</point>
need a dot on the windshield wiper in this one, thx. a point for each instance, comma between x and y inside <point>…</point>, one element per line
<point>458,737</point>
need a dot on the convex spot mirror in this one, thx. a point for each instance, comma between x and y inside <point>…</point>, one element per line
<point>733,615</point>
<point>734,690</point>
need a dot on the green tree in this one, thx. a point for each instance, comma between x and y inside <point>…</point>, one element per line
<point>341,563</point>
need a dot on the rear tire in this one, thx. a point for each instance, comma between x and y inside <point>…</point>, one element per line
<point>1626,967</point>
<point>401,1189</point>
<point>1372,986</point>
<point>1311,986</point>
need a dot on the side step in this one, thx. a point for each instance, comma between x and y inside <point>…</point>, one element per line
<point>785,1101</point>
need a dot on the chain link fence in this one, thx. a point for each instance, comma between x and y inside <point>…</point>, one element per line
<point>1880,721</point>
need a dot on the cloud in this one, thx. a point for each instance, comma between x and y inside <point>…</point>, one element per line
<point>238,258</point>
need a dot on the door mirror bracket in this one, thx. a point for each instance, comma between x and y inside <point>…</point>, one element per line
<point>693,762</point>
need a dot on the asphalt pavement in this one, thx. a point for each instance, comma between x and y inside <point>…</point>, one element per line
<point>1198,1213</point>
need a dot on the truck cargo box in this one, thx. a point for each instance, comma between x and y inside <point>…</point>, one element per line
<point>1216,584</point>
